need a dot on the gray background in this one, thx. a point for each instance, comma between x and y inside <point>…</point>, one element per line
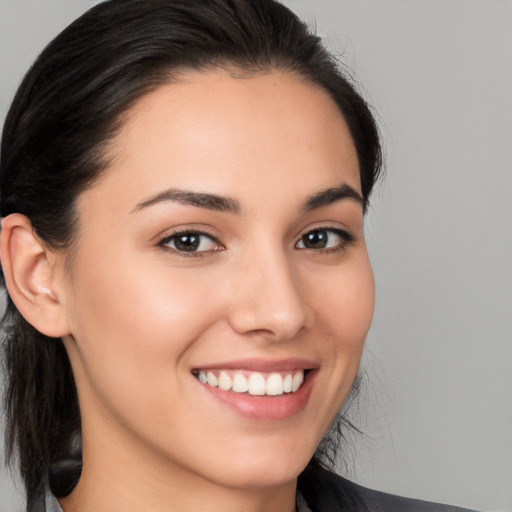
<point>437,406</point>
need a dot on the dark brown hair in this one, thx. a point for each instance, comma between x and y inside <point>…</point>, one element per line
<point>67,109</point>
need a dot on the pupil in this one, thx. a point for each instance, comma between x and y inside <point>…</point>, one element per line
<point>187,242</point>
<point>315,240</point>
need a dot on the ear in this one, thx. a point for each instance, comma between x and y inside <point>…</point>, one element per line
<point>31,273</point>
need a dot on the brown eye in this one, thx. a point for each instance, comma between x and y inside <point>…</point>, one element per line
<point>190,241</point>
<point>317,239</point>
<point>320,239</point>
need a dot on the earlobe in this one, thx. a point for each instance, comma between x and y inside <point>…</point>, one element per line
<point>30,276</point>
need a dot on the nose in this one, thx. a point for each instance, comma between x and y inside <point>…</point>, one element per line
<point>267,299</point>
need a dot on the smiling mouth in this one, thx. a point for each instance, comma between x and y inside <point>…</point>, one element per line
<point>253,383</point>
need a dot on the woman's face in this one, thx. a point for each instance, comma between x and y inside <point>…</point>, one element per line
<point>223,244</point>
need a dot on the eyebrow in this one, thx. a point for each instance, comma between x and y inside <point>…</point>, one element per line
<point>229,205</point>
<point>331,195</point>
<point>198,199</point>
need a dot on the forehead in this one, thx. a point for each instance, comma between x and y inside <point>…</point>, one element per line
<point>225,133</point>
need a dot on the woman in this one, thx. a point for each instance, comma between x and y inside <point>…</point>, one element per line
<point>182,190</point>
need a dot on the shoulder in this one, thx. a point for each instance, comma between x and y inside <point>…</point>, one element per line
<point>325,491</point>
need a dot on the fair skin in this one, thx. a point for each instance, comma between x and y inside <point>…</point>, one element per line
<point>276,280</point>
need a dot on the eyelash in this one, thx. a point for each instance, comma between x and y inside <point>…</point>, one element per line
<point>346,239</point>
<point>188,232</point>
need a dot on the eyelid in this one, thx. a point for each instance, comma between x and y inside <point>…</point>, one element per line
<point>346,236</point>
<point>346,239</point>
<point>163,241</point>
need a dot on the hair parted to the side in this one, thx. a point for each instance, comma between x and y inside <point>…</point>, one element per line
<point>66,111</point>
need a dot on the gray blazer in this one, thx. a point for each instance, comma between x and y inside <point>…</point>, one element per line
<point>324,491</point>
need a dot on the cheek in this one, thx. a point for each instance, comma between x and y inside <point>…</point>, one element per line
<point>343,301</point>
<point>344,307</point>
<point>139,302</point>
<point>131,331</point>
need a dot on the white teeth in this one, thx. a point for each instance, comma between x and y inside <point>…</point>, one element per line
<point>287,383</point>
<point>257,384</point>
<point>240,384</point>
<point>274,385</point>
<point>225,382</point>
<point>212,380</point>
<point>298,379</point>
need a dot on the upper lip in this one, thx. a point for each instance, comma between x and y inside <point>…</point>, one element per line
<point>262,365</point>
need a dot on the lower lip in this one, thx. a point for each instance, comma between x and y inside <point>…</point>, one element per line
<point>266,408</point>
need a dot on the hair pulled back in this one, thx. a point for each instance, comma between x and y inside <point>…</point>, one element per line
<point>69,107</point>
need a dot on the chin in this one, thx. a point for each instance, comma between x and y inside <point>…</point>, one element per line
<point>270,470</point>
<point>259,479</point>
